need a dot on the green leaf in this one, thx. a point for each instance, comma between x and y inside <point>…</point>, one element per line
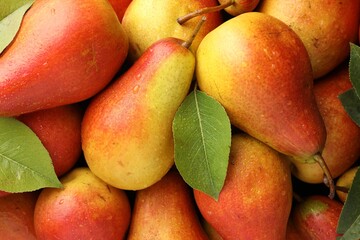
<point>202,138</point>
<point>25,164</point>
<point>354,69</point>
<point>351,104</point>
<point>351,211</point>
<point>11,15</point>
<point>353,233</point>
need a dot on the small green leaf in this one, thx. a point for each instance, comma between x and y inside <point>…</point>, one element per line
<point>11,15</point>
<point>354,69</point>
<point>351,211</point>
<point>351,104</point>
<point>202,138</point>
<point>25,164</point>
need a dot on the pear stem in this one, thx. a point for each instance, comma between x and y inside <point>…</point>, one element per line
<point>188,42</point>
<point>342,189</point>
<point>198,12</point>
<point>328,180</point>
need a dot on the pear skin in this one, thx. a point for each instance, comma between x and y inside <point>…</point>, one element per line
<point>85,208</point>
<point>166,210</point>
<point>342,146</point>
<point>325,27</point>
<point>64,52</point>
<point>316,217</point>
<point>345,180</point>
<point>256,199</point>
<point>147,21</point>
<point>260,71</point>
<point>127,129</point>
<point>17,216</point>
<point>59,130</point>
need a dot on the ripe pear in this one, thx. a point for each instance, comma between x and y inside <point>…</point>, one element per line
<point>59,130</point>
<point>85,208</point>
<point>316,217</point>
<point>146,21</point>
<point>256,199</point>
<point>127,129</point>
<point>259,70</point>
<point>64,52</point>
<point>342,146</point>
<point>325,27</point>
<point>17,216</point>
<point>344,182</point>
<point>166,210</point>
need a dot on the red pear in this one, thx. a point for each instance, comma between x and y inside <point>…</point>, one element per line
<point>58,129</point>
<point>166,210</point>
<point>64,52</point>
<point>316,217</point>
<point>256,199</point>
<point>85,208</point>
<point>342,145</point>
<point>17,216</point>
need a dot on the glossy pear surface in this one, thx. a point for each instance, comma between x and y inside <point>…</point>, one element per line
<point>256,199</point>
<point>342,146</point>
<point>64,52</point>
<point>85,208</point>
<point>325,27</point>
<point>316,217</point>
<point>260,71</point>
<point>147,21</point>
<point>127,129</point>
<point>166,210</point>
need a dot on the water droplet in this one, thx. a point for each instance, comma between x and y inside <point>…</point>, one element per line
<point>61,201</point>
<point>136,89</point>
<point>138,76</point>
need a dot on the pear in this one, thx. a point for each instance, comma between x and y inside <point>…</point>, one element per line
<point>325,27</point>
<point>259,70</point>
<point>17,216</point>
<point>316,217</point>
<point>127,129</point>
<point>256,199</point>
<point>166,210</point>
<point>232,7</point>
<point>85,208</point>
<point>147,21</point>
<point>342,146</point>
<point>344,182</point>
<point>59,130</point>
<point>64,52</point>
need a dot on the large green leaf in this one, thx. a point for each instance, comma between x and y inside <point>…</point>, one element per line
<point>202,138</point>
<point>351,104</point>
<point>354,67</point>
<point>351,210</point>
<point>353,233</point>
<point>25,164</point>
<point>11,15</point>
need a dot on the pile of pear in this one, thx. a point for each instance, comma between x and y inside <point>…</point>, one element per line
<point>276,69</point>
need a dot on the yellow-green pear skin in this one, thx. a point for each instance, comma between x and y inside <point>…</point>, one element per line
<point>127,129</point>
<point>259,70</point>
<point>146,21</point>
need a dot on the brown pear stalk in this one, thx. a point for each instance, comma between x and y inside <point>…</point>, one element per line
<point>202,11</point>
